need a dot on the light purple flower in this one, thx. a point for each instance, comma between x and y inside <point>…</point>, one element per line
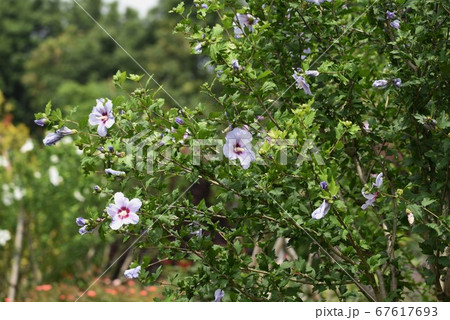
<point>317,2</point>
<point>321,211</point>
<point>380,84</point>
<point>64,131</point>
<point>115,172</point>
<point>132,273</point>
<point>241,22</point>
<point>429,123</point>
<point>54,137</point>
<point>179,121</point>
<point>370,199</point>
<point>41,122</point>
<point>397,82</point>
<point>301,83</point>
<point>235,64</point>
<point>324,185</point>
<point>312,73</point>
<point>197,230</point>
<point>378,181</point>
<point>204,6</point>
<point>395,24</point>
<point>81,221</point>
<point>123,211</point>
<point>218,295</point>
<point>198,233</point>
<point>390,15</point>
<point>366,126</point>
<point>306,52</point>
<point>198,48</point>
<point>83,230</point>
<point>238,146</point>
<point>102,116</point>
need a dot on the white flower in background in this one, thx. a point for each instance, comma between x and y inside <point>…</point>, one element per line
<point>238,145</point>
<point>410,216</point>
<point>4,162</point>
<point>123,211</point>
<point>77,195</point>
<point>54,158</point>
<point>53,174</point>
<point>5,236</point>
<point>67,140</point>
<point>7,196</point>
<point>28,146</point>
<point>321,211</point>
<point>37,175</point>
<point>18,193</point>
<point>102,116</point>
<point>132,273</point>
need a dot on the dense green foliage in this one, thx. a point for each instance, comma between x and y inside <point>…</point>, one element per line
<point>52,50</point>
<point>250,231</point>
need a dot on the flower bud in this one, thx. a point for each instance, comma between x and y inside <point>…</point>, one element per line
<point>179,121</point>
<point>324,185</point>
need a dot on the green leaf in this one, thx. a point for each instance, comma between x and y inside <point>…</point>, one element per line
<point>268,86</point>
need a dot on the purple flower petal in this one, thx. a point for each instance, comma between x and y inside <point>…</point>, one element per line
<point>321,211</point>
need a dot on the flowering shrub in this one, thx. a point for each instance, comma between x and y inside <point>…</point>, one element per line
<point>316,100</point>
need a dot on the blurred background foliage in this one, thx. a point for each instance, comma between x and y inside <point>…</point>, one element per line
<point>52,50</point>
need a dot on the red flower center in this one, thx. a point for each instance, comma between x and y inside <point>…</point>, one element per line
<point>238,149</point>
<point>124,213</point>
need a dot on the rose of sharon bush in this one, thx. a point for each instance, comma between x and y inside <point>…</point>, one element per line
<point>259,232</point>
